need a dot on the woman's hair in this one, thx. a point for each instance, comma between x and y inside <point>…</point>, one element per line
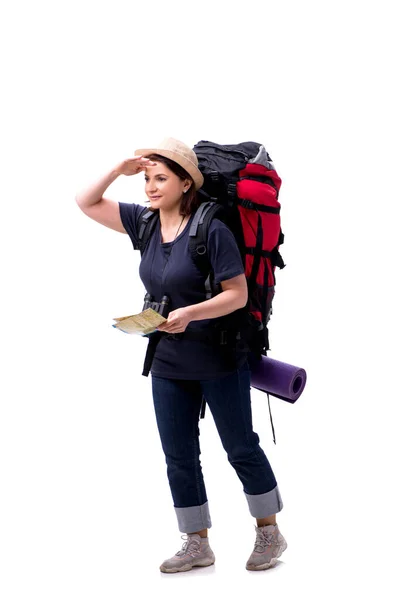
<point>191,200</point>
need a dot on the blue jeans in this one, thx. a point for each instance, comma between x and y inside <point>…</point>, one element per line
<point>177,404</point>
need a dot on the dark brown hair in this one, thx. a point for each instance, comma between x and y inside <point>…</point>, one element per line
<point>191,200</point>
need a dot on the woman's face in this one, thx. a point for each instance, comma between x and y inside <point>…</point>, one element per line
<point>163,188</point>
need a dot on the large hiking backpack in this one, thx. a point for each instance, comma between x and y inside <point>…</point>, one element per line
<point>241,188</point>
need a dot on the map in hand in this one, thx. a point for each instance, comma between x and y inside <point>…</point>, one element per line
<point>143,323</point>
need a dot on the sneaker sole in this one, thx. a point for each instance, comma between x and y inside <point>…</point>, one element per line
<point>272,563</point>
<point>185,567</point>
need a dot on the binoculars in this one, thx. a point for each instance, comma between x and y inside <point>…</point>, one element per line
<point>161,307</point>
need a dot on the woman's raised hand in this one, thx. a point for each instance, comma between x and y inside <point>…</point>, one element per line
<point>134,165</point>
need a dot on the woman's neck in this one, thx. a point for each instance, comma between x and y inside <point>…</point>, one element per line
<point>172,226</point>
<point>170,220</point>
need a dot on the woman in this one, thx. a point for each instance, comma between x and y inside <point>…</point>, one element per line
<point>186,367</point>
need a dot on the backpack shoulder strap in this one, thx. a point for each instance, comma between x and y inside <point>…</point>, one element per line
<point>198,233</point>
<point>198,236</point>
<point>146,224</point>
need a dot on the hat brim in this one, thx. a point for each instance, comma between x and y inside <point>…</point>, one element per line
<point>186,164</point>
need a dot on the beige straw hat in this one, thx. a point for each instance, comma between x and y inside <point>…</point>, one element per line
<point>181,154</point>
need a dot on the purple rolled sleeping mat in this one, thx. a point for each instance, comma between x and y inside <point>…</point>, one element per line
<point>277,378</point>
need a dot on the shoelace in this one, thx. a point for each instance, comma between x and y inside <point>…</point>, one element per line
<point>190,546</point>
<point>263,540</point>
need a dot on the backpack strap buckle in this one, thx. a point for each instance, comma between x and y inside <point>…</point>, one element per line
<point>247,203</point>
<point>214,175</point>
<point>231,189</point>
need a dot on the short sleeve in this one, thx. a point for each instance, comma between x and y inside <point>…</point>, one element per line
<point>130,214</point>
<point>223,252</point>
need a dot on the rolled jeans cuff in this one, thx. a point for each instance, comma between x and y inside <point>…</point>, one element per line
<point>264,505</point>
<point>193,518</point>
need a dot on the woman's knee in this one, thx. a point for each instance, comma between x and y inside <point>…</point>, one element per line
<point>248,452</point>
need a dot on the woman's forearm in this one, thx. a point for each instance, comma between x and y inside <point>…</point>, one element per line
<point>93,194</point>
<point>224,303</point>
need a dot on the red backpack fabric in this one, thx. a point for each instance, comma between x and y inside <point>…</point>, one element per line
<point>254,218</point>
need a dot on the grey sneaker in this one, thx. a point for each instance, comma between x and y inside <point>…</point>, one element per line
<point>196,552</point>
<point>268,547</point>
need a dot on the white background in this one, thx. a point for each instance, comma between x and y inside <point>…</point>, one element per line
<point>85,506</point>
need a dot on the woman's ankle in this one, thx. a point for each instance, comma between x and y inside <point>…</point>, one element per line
<point>203,533</point>
<point>271,520</point>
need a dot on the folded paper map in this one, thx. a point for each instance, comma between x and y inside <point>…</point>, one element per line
<point>144,323</point>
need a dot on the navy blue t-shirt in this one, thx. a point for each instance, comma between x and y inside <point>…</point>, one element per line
<point>168,268</point>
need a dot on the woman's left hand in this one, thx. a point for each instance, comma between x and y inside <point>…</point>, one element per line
<point>177,321</point>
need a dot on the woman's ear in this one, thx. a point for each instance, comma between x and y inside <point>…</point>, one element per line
<point>187,186</point>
